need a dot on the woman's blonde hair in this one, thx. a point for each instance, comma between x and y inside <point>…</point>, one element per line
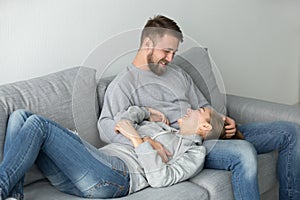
<point>218,128</point>
<point>217,123</point>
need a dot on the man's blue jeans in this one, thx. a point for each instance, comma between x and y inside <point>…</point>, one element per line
<point>239,157</point>
<point>69,164</point>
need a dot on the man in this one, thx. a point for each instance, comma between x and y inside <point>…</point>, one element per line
<point>148,81</point>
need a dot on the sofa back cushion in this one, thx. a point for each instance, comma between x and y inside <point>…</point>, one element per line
<point>197,63</point>
<point>67,97</point>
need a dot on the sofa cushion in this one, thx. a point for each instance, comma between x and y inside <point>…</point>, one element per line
<point>197,63</point>
<point>42,190</point>
<point>267,171</point>
<point>101,88</point>
<point>67,97</point>
<point>218,182</point>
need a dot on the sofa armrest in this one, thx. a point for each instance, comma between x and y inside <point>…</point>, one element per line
<point>247,110</point>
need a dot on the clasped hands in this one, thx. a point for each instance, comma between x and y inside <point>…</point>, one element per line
<point>126,128</point>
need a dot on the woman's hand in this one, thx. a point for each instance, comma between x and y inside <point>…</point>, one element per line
<point>125,128</point>
<point>162,152</point>
<point>230,127</point>
<point>157,116</point>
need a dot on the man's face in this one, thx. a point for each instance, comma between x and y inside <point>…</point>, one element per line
<point>162,53</point>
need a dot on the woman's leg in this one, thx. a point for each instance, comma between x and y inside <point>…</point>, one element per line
<point>239,157</point>
<point>90,176</point>
<point>284,137</point>
<point>15,122</point>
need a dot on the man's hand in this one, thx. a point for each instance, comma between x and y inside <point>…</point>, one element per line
<point>157,116</point>
<point>162,152</point>
<point>230,127</point>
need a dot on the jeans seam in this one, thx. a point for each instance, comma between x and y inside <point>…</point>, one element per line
<point>102,184</point>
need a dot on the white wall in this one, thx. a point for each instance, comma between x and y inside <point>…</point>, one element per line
<point>255,44</point>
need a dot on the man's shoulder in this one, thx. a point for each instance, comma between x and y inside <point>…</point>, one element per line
<point>178,71</point>
<point>123,76</point>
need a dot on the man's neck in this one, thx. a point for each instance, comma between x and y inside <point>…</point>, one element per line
<point>140,61</point>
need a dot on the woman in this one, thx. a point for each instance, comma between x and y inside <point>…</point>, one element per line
<point>75,167</point>
<point>184,147</point>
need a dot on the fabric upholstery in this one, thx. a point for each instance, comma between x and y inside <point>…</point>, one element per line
<point>67,97</point>
<point>246,110</point>
<point>184,190</point>
<point>196,62</point>
<point>216,182</point>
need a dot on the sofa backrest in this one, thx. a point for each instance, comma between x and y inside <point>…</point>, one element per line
<point>67,97</point>
<point>197,63</point>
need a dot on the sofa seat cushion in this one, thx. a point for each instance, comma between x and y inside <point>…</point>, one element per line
<point>218,182</point>
<point>42,190</point>
<point>267,171</point>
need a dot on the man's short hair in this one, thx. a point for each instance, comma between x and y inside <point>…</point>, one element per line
<point>160,25</point>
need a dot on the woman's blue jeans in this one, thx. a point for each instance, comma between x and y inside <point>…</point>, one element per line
<point>71,165</point>
<point>239,157</point>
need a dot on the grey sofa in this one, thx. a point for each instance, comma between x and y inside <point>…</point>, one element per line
<point>73,98</point>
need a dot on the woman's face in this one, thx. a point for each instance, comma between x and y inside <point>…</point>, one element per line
<point>190,122</point>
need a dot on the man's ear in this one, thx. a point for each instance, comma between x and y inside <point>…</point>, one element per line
<point>148,43</point>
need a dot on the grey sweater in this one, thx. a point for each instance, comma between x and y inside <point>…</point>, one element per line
<point>134,86</point>
<point>145,165</point>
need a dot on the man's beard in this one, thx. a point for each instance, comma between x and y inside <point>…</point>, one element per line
<point>154,67</point>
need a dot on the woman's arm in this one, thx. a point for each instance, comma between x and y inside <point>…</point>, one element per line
<point>152,157</point>
<point>161,174</point>
<point>125,128</point>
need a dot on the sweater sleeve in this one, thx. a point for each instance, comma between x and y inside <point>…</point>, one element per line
<point>135,114</point>
<point>115,100</point>
<point>183,167</point>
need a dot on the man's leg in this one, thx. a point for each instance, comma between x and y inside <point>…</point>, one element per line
<point>284,137</point>
<point>239,157</point>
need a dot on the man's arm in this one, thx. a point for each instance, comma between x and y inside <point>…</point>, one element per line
<point>115,100</point>
<point>138,114</point>
<point>135,114</point>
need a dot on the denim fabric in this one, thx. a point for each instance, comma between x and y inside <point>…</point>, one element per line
<point>284,137</point>
<point>63,158</point>
<point>239,157</point>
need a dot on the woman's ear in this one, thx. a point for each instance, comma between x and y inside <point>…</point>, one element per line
<point>179,121</point>
<point>204,128</point>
